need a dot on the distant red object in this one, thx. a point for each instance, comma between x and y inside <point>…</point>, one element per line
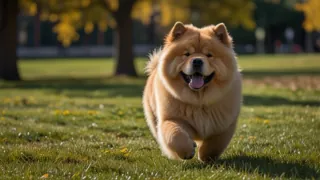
<point>278,43</point>
<point>296,48</point>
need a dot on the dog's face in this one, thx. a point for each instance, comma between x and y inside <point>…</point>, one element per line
<point>197,65</point>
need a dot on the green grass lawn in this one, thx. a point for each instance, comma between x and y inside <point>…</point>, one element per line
<point>72,119</point>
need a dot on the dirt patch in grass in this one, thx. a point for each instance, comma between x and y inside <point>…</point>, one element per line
<point>291,82</point>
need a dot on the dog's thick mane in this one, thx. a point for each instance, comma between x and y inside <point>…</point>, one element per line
<point>153,60</point>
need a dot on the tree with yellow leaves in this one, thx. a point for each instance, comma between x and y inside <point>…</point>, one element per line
<point>71,15</point>
<point>310,8</point>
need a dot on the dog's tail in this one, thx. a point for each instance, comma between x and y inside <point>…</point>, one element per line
<point>153,61</point>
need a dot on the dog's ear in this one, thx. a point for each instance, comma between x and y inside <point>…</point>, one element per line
<point>177,30</point>
<point>222,34</point>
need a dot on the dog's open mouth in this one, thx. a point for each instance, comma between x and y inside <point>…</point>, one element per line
<point>197,80</point>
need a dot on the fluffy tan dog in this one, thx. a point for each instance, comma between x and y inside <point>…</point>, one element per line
<point>193,92</point>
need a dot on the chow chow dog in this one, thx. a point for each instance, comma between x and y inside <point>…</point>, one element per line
<point>193,93</point>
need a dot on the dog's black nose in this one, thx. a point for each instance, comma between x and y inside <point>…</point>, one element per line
<point>197,63</point>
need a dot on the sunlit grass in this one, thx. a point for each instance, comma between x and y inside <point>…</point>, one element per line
<point>72,119</point>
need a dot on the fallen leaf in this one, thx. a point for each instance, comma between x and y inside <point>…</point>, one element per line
<point>45,176</point>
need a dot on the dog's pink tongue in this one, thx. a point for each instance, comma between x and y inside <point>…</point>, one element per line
<point>196,82</point>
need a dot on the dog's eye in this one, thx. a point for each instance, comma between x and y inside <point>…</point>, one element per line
<point>187,54</point>
<point>209,55</point>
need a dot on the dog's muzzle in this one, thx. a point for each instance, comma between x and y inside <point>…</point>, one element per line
<point>196,80</point>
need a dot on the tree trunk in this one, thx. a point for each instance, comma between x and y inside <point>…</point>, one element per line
<point>308,42</point>
<point>151,29</point>
<point>100,38</point>
<point>8,40</point>
<point>37,30</point>
<point>124,39</point>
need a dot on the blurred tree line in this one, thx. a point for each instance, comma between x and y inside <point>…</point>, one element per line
<point>70,16</point>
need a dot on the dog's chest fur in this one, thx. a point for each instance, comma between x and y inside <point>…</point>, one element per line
<point>207,120</point>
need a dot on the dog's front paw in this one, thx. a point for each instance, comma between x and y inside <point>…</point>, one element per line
<point>184,149</point>
<point>190,155</point>
<point>175,141</point>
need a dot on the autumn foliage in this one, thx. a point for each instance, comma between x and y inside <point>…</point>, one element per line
<point>71,15</point>
<point>311,10</point>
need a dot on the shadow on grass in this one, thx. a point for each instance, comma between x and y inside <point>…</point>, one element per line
<point>252,100</point>
<point>263,73</point>
<point>96,87</point>
<point>263,166</point>
<point>273,168</point>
